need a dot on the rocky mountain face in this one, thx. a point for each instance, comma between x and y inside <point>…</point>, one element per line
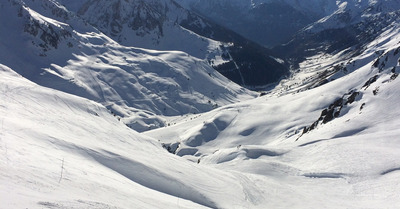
<point>144,23</point>
<point>296,29</point>
<point>351,26</point>
<point>75,39</point>
<point>266,22</point>
<point>139,86</point>
<point>165,25</point>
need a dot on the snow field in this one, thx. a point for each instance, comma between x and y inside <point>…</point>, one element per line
<point>353,159</point>
<point>65,141</point>
<point>62,150</point>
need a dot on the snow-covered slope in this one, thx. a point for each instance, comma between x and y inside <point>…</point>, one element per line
<point>147,24</point>
<point>151,24</point>
<point>285,112</point>
<point>352,25</point>
<point>318,8</point>
<point>268,22</point>
<point>165,25</point>
<point>340,139</point>
<point>326,137</point>
<point>136,84</point>
<point>62,151</point>
<point>353,12</point>
<point>272,22</point>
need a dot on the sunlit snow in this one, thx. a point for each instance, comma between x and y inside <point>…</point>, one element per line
<point>70,115</point>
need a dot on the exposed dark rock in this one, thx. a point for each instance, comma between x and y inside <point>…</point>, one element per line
<point>49,35</point>
<point>353,36</point>
<point>376,63</point>
<point>394,76</point>
<point>376,91</point>
<point>262,94</point>
<point>396,51</point>
<point>370,81</point>
<point>333,111</point>
<point>171,148</point>
<point>362,106</point>
<point>352,97</point>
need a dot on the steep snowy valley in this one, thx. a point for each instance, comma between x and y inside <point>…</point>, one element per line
<point>88,121</point>
<point>338,142</point>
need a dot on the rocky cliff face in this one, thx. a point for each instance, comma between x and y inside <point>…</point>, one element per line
<point>351,26</point>
<point>136,85</point>
<point>165,25</point>
<point>144,17</point>
<point>266,22</point>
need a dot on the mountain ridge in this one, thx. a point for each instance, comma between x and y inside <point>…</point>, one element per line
<point>64,63</point>
<point>168,26</point>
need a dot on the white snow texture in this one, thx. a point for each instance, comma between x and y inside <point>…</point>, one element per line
<point>86,122</point>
